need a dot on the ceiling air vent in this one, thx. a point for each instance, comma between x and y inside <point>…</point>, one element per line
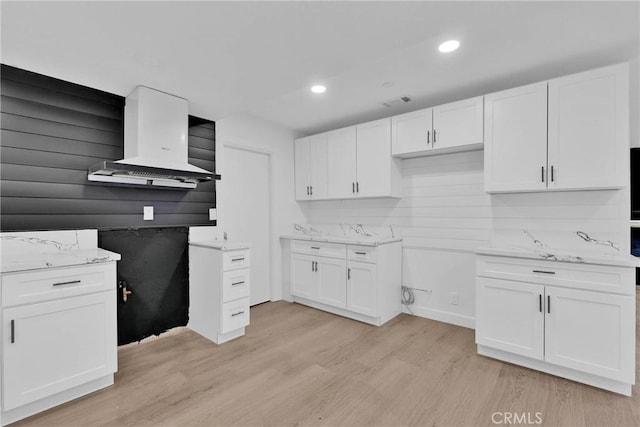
<point>396,102</point>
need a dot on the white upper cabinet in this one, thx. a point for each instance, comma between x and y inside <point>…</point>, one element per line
<point>311,167</point>
<point>451,127</point>
<point>589,129</point>
<point>588,134</point>
<point>515,153</point>
<point>341,153</point>
<point>373,159</point>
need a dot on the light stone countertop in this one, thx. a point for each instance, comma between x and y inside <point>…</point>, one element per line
<point>612,260</point>
<point>223,245</point>
<point>20,262</point>
<point>364,241</point>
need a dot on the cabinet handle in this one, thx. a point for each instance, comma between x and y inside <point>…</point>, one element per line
<point>357,187</point>
<point>237,283</point>
<point>307,190</point>
<point>540,302</point>
<point>434,137</point>
<point>237,259</point>
<point>237,314</point>
<point>548,304</point>
<point>311,190</point>
<point>312,266</point>
<point>544,272</point>
<point>348,274</point>
<point>316,265</point>
<point>13,331</point>
<point>428,136</point>
<point>71,282</point>
<point>315,247</point>
<point>542,174</point>
<point>551,173</point>
<point>353,187</point>
<point>361,253</point>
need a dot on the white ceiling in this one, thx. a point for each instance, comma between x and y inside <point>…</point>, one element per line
<point>260,58</point>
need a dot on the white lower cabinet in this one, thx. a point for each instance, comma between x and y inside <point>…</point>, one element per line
<point>361,282</point>
<point>553,325</point>
<point>59,338</point>
<point>219,289</point>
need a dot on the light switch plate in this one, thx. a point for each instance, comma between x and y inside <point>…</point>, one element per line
<point>213,214</point>
<point>148,213</point>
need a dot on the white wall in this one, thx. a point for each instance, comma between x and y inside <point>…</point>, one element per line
<point>249,132</point>
<point>444,215</point>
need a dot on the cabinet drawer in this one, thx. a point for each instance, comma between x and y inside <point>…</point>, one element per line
<point>234,260</point>
<point>362,253</point>
<point>42,285</point>
<point>235,315</point>
<point>332,250</point>
<point>235,284</point>
<point>579,276</point>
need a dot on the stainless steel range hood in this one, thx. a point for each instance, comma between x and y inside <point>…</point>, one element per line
<point>155,145</point>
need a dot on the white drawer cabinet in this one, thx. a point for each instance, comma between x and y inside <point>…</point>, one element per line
<point>60,336</point>
<point>356,281</point>
<point>558,318</point>
<point>219,289</point>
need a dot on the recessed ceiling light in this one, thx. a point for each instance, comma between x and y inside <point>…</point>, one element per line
<point>318,89</point>
<point>449,46</point>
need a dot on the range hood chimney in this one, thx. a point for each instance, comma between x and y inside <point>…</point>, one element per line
<point>155,145</point>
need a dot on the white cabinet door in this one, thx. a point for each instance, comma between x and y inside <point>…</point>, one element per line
<point>301,150</point>
<point>373,165</point>
<point>458,123</point>
<point>515,146</point>
<point>509,316</point>
<point>341,158</point>
<point>589,129</point>
<point>591,332</point>
<point>332,282</point>
<point>303,276</point>
<point>318,166</point>
<point>411,132</point>
<point>362,288</point>
<point>53,346</point>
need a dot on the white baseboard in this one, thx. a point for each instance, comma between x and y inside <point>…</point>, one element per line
<point>442,316</point>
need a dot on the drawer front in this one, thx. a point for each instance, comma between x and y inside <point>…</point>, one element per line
<point>362,253</point>
<point>235,284</point>
<point>235,315</point>
<point>600,278</point>
<point>235,260</point>
<point>48,284</point>
<point>331,250</point>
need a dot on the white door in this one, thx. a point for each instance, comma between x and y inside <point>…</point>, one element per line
<point>591,332</point>
<point>332,282</point>
<point>361,288</point>
<point>509,316</point>
<point>589,129</point>
<point>301,165</point>
<point>247,212</point>
<point>515,146</point>
<point>57,345</point>
<point>373,165</point>
<point>318,166</point>
<point>458,123</point>
<point>341,157</point>
<point>411,132</point>
<point>303,276</point>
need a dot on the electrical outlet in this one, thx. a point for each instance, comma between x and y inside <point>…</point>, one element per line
<point>213,214</point>
<point>455,298</point>
<point>147,214</point>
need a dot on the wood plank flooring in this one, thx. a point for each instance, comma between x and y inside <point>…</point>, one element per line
<point>298,366</point>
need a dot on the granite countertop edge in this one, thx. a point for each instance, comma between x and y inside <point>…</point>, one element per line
<point>46,260</point>
<point>222,245</point>
<point>616,261</point>
<point>342,240</point>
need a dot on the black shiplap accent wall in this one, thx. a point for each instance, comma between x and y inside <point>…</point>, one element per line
<point>52,131</point>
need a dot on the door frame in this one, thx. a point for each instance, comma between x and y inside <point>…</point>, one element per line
<point>221,195</point>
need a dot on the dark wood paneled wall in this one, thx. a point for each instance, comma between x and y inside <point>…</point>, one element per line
<point>52,131</point>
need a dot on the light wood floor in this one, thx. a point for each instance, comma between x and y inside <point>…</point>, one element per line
<point>300,366</point>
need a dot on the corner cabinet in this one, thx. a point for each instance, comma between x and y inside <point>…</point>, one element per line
<point>570,133</point>
<point>356,281</point>
<point>574,321</point>
<point>457,126</point>
<point>60,336</point>
<point>348,163</point>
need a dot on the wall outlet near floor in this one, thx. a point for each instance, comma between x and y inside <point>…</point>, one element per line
<point>147,214</point>
<point>454,298</point>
